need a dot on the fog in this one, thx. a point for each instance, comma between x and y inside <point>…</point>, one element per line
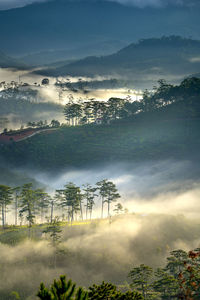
<point>92,253</point>
<point>163,205</point>
<point>152,187</point>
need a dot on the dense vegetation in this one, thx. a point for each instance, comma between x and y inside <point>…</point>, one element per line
<point>164,125</point>
<point>179,279</point>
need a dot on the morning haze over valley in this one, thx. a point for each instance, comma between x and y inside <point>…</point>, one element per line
<point>99,149</point>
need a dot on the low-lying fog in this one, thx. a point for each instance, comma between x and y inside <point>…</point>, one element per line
<point>163,202</point>
<point>51,92</point>
<point>170,186</point>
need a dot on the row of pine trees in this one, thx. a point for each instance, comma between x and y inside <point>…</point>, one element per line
<point>71,203</point>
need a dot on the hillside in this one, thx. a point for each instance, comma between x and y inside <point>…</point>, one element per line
<point>160,132</point>
<point>62,56</point>
<point>167,56</point>
<point>79,23</point>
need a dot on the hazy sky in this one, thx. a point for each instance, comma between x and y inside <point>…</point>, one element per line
<point>7,4</point>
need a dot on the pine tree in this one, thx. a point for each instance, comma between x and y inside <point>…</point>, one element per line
<point>62,290</point>
<point>5,199</point>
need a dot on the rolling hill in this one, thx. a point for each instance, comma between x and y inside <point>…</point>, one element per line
<point>166,132</point>
<point>170,57</point>
<point>73,24</point>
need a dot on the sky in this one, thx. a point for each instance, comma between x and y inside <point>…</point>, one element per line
<point>7,4</point>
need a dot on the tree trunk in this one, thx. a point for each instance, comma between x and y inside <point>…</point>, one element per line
<point>52,205</point>
<point>86,209</point>
<point>2,215</point>
<point>16,210</point>
<point>5,215</point>
<point>81,211</point>
<point>102,207</point>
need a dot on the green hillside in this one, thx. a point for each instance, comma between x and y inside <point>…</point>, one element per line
<point>166,125</point>
<point>146,138</point>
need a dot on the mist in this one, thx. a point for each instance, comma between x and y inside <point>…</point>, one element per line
<point>92,253</point>
<point>8,4</point>
<point>168,186</point>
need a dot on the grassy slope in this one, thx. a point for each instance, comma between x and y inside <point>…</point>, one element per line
<point>151,136</point>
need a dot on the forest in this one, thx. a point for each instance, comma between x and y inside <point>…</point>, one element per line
<point>85,231</point>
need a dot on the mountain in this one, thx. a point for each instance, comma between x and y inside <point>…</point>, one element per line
<point>149,59</point>
<point>57,56</point>
<point>65,24</point>
<point>9,62</point>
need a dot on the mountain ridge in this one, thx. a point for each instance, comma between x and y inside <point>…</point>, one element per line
<point>78,23</point>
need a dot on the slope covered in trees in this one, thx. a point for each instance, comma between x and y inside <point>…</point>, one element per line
<point>163,125</point>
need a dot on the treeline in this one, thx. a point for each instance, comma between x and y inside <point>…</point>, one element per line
<point>71,202</point>
<point>187,93</point>
<point>179,279</point>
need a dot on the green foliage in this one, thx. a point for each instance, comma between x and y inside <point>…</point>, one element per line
<point>61,290</point>
<point>165,124</point>
<point>175,263</point>
<point>141,279</point>
<point>165,284</point>
<point>108,291</point>
<point>15,295</point>
<point>54,230</point>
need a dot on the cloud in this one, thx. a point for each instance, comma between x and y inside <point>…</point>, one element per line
<point>157,3</point>
<point>7,4</point>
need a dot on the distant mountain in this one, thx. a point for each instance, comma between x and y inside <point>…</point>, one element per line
<point>9,62</point>
<point>148,59</point>
<point>54,56</point>
<point>65,24</point>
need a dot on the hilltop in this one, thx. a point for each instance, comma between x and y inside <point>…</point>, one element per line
<point>73,24</point>
<point>171,56</point>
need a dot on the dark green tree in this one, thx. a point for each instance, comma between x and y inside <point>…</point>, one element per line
<point>141,279</point>
<point>28,202</point>
<point>61,290</point>
<point>89,196</point>
<point>73,112</point>
<point>119,208</point>
<point>176,261</point>
<point>108,291</point>
<point>165,284</point>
